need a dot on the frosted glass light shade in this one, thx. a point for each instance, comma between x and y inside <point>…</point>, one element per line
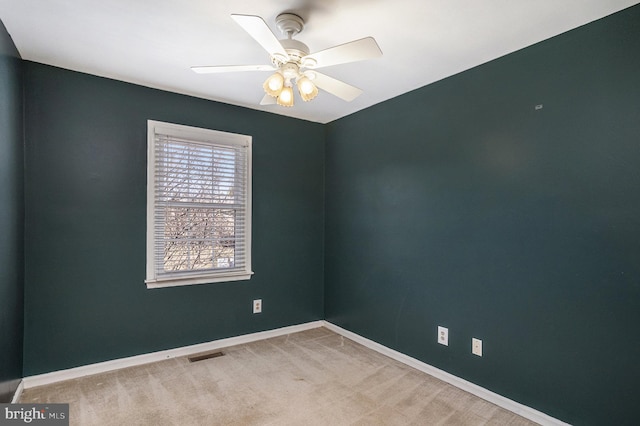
<point>286,97</point>
<point>274,84</point>
<point>307,89</point>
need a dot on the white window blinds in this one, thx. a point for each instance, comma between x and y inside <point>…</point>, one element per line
<point>199,206</point>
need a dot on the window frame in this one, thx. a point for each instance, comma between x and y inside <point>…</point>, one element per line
<point>200,136</point>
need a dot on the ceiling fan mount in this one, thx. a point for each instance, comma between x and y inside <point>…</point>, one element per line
<point>289,24</point>
<point>290,58</point>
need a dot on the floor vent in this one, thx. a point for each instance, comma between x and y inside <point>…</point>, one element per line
<point>201,357</point>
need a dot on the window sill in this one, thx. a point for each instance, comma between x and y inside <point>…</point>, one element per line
<point>175,282</point>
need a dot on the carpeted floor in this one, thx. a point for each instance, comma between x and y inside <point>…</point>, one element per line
<point>315,377</point>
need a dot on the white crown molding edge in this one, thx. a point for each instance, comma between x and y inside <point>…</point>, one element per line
<point>487,395</point>
<point>102,367</point>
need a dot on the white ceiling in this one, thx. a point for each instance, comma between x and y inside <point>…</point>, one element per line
<point>154,42</point>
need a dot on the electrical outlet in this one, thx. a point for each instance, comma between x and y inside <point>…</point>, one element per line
<point>257,306</point>
<point>443,336</point>
<point>476,346</point>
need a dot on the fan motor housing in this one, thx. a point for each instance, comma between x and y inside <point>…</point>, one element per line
<point>295,49</point>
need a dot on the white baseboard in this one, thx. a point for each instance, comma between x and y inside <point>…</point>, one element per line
<point>101,367</point>
<point>86,370</point>
<point>16,395</point>
<point>494,398</point>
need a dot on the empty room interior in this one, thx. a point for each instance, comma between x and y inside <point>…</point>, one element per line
<point>458,203</point>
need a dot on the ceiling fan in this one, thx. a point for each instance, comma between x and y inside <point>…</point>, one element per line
<point>292,62</point>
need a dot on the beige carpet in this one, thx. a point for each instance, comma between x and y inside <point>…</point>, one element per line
<point>315,377</point>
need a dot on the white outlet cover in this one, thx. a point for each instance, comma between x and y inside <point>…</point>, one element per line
<point>476,346</point>
<point>443,336</point>
<point>257,306</point>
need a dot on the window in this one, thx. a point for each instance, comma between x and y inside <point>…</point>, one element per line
<point>198,206</point>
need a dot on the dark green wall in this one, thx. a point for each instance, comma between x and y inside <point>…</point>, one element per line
<point>86,300</point>
<point>460,205</point>
<point>11,217</point>
<point>457,204</point>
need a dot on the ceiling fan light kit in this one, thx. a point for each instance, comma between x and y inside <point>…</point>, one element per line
<point>307,89</point>
<point>285,98</point>
<point>274,84</point>
<point>289,57</point>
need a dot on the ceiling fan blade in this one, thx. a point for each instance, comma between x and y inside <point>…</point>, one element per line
<point>357,50</point>
<point>268,100</point>
<point>337,88</point>
<point>232,68</point>
<point>260,31</point>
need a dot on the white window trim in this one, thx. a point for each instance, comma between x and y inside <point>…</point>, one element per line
<point>153,127</point>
